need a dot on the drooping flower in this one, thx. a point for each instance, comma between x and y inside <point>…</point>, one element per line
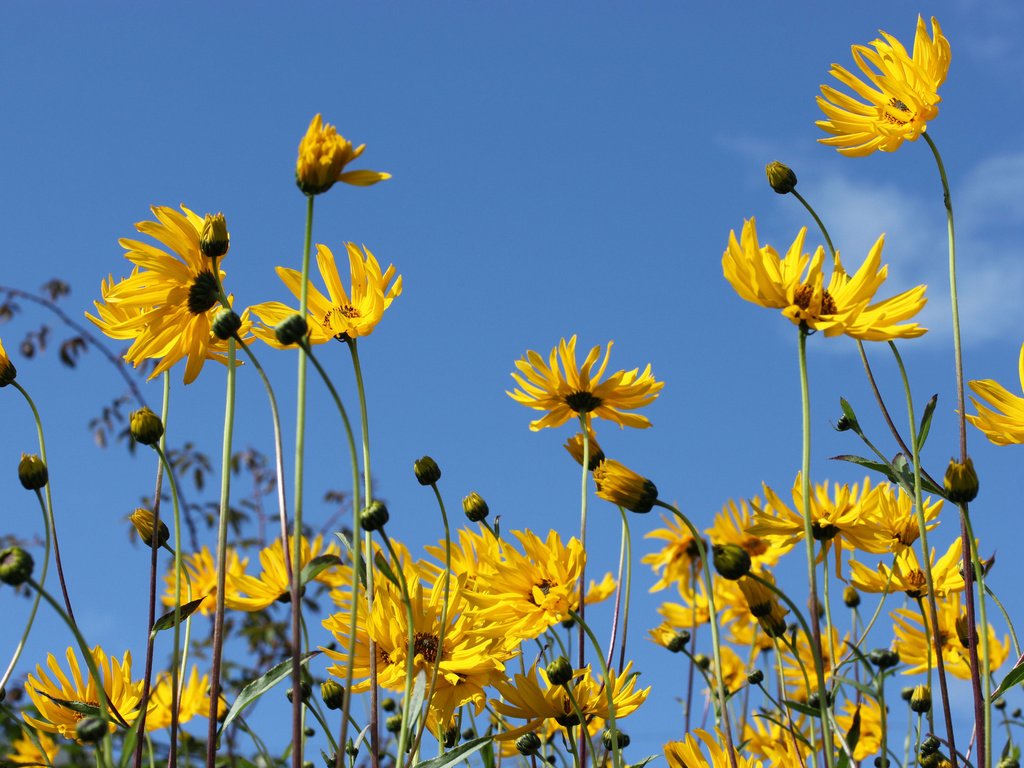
<point>341,314</point>
<point>323,155</point>
<point>123,693</point>
<point>796,285</point>
<point>688,753</point>
<point>533,698</point>
<point>563,388</point>
<point>1000,412</point>
<point>899,95</point>
<point>168,304</point>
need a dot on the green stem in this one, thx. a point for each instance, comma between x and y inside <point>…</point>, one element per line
<point>821,225</point>
<point>410,639</point>
<point>805,489</point>
<point>222,546</point>
<point>986,672</point>
<point>609,689</point>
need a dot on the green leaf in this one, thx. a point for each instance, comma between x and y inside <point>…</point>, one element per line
<point>385,568</point>
<point>1013,677</point>
<point>167,620</point>
<point>849,417</point>
<point>874,466</point>
<point>316,566</point>
<point>802,708</point>
<point>75,706</point>
<point>926,422</point>
<point>456,755</point>
<point>419,693</point>
<point>261,685</point>
<point>643,762</point>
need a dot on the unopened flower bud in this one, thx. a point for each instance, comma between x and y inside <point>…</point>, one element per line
<point>226,324</point>
<point>475,507</point>
<point>7,370</point>
<point>333,694</point>
<point>374,517</point>
<point>559,671</point>
<point>961,481</point>
<point>32,472</point>
<point>1000,704</point>
<point>702,661</point>
<point>351,749</point>
<point>906,692</point>
<point>1009,761</point>
<point>851,597</point>
<point>963,632</point>
<point>15,566</point>
<point>305,690</point>
<point>451,735</point>
<point>146,426</point>
<point>91,729</point>
<point>621,485</point>
<point>143,520</point>
<point>426,470</point>
<point>528,744</point>
<point>291,330</point>
<point>214,240</point>
<point>884,658</point>
<point>781,177</point>
<point>731,561</point>
<point>678,641</point>
<point>574,445</point>
<point>393,724</point>
<point>930,745</point>
<point>921,701</point>
<point>756,677</point>
<point>389,704</point>
<point>616,740</point>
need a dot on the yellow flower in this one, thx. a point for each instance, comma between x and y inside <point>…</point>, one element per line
<point>202,575</point>
<point>527,697</point>
<point>915,645</point>
<point>7,369</point>
<point>798,671</point>
<point>169,303</point>
<point>688,753</point>
<point>890,524</point>
<point>339,315</point>
<point>679,560</point>
<point>525,594</point>
<point>796,285</point>
<point>470,661</point>
<point>899,97</point>
<point>731,527</point>
<point>869,740</point>
<point>28,752</point>
<point>249,593</point>
<point>323,155</point>
<point>194,700</point>
<point>906,574</point>
<point>787,747</point>
<point>620,485</point>
<point>123,693</point>
<point>572,389</point>
<point>1001,413</point>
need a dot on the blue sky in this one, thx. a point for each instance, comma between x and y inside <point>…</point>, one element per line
<point>558,169</point>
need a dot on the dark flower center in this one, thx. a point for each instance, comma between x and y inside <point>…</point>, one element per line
<point>582,402</point>
<point>823,531</point>
<point>426,645</point>
<point>203,293</point>
<point>754,545</point>
<point>544,585</point>
<point>901,108</point>
<point>803,299</point>
<point>917,584</point>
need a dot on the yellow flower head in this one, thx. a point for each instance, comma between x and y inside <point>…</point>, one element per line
<point>908,577</point>
<point>171,299</point>
<point>7,369</point>
<point>194,700</point>
<point>731,527</point>
<point>33,748</point>
<point>688,753</point>
<point>123,693</point>
<point>249,593</point>
<point>890,524</point>
<point>678,560</point>
<point>323,155</point>
<point>574,389</point>
<point>796,285</point>
<point>202,576</point>
<point>869,740</point>
<point>620,485</point>
<point>533,698</point>
<point>1000,412</point>
<point>341,314</point>
<point>899,93</point>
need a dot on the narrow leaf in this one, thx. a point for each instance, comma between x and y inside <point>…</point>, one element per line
<point>644,762</point>
<point>875,466</point>
<point>75,706</point>
<point>456,755</point>
<point>261,685</point>
<point>316,566</point>
<point>382,565</point>
<point>802,708</point>
<point>926,422</point>
<point>1013,677</point>
<point>167,620</point>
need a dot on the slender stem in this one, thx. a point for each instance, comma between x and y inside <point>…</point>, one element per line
<point>581,650</point>
<point>805,489</point>
<point>222,546</point>
<point>410,640</point>
<point>609,689</point>
<point>628,589</point>
<point>821,226</point>
<point>972,564</point>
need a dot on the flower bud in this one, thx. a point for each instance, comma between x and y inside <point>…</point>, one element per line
<point>143,521</point>
<point>427,471</point>
<point>731,561</point>
<point>305,690</point>
<point>528,744</point>
<point>475,507</point>
<point>393,724</point>
<point>389,705</point>
<point>678,641</point>
<point>614,740</point>
<point>214,240</point>
<point>7,370</point>
<point>702,661</point>
<point>451,736</point>
<point>146,426</point>
<point>15,566</point>
<point>1000,704</point>
<point>961,481</point>
<point>291,330</point>
<point>226,324</point>
<point>91,729</point>
<point>1008,761</point>
<point>851,597</point>
<point>333,694</point>
<point>374,517</point>
<point>963,630</point>
<point>351,749</point>
<point>559,671</point>
<point>780,177</point>
<point>930,745</point>
<point>906,692</point>
<point>921,701</point>
<point>756,677</point>
<point>622,486</point>
<point>884,658</point>
<point>32,472</point>
<point>574,445</point>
